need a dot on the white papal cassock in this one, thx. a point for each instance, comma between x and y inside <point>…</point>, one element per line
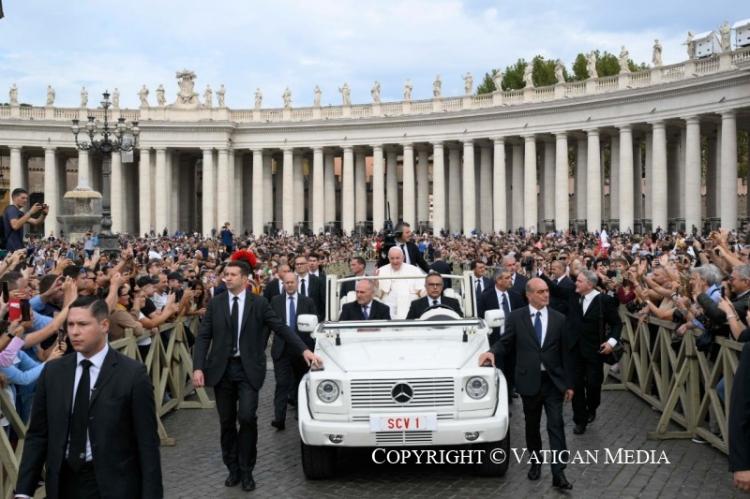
<point>399,293</point>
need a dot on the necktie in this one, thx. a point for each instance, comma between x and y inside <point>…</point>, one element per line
<point>303,288</point>
<point>406,253</point>
<point>478,290</point>
<point>506,307</point>
<point>292,314</point>
<point>80,419</point>
<point>538,327</point>
<point>580,301</point>
<point>234,319</point>
<point>365,315</point>
<point>434,303</point>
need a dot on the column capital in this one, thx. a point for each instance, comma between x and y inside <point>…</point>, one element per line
<point>561,135</point>
<point>50,148</point>
<point>257,150</point>
<point>408,145</point>
<point>625,128</point>
<point>438,144</point>
<point>529,137</point>
<point>498,141</point>
<point>729,114</point>
<point>693,120</point>
<point>348,148</point>
<point>658,124</point>
<point>207,149</point>
<point>15,147</point>
<point>160,148</point>
<point>376,147</point>
<point>592,132</point>
<point>317,149</point>
<point>468,143</point>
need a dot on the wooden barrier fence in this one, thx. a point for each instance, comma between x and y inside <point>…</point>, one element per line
<point>170,368</point>
<point>678,380</point>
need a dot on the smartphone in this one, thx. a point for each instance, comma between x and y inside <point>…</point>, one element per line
<point>14,309</point>
<point>5,291</point>
<point>25,310</point>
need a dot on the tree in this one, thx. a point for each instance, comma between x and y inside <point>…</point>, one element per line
<point>513,78</point>
<point>579,68</point>
<point>607,64</point>
<point>543,72</point>
<point>488,84</point>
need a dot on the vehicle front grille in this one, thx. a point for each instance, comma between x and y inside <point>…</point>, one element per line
<point>427,392</point>
<point>403,437</point>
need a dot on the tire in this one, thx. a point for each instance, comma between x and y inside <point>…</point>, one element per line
<point>489,468</point>
<point>318,463</point>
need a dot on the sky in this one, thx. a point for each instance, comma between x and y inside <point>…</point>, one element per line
<point>271,45</point>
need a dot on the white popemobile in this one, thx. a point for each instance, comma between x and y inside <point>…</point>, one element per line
<point>402,383</point>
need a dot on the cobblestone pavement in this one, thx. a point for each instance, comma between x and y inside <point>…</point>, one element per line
<point>193,468</point>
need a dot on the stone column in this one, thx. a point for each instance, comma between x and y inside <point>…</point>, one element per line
<point>548,186</point>
<point>468,188</point>
<point>347,191</point>
<point>360,186</point>
<point>423,185</point>
<point>391,181</point>
<point>627,211</point>
<point>454,191</point>
<point>529,184</point>
<point>438,188</point>
<point>117,194</point>
<point>51,190</point>
<point>593,183</point>
<point>84,170</point>
<point>318,192</point>
<point>160,188</point>
<point>637,181</point>
<point>728,179</point>
<point>234,190</point>
<point>208,187</point>
<point>485,188</point>
<point>614,181</point>
<point>329,179</point>
<point>378,188</point>
<point>580,181</point>
<point>267,187</point>
<point>499,198</point>
<point>648,142</point>
<point>16,169</point>
<point>287,192</point>
<point>144,190</point>
<point>258,193</point>
<point>410,212</point>
<point>517,187</point>
<point>693,176</point>
<point>174,172</point>
<point>562,208</point>
<point>658,183</point>
<point>299,188</point>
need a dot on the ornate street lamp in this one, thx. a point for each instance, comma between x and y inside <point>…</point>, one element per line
<point>106,139</point>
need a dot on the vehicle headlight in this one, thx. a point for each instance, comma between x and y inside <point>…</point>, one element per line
<point>477,387</point>
<point>328,391</point>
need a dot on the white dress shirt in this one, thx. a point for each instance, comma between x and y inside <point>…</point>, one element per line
<point>306,279</point>
<point>587,299</point>
<point>240,310</point>
<point>405,249</point>
<point>96,366</point>
<point>500,295</point>
<point>474,283</point>
<point>544,318</point>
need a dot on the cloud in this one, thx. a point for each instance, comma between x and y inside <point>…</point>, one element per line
<point>272,45</point>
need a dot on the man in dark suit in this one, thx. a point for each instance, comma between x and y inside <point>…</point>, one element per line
<point>275,286</point>
<point>739,417</point>
<point>314,261</point>
<point>357,265</point>
<point>518,281</point>
<point>561,287</point>
<point>479,282</point>
<point>93,420</point>
<point>441,267</point>
<point>412,255</point>
<point>433,283</point>
<point>310,286</point>
<point>590,312</point>
<point>365,308</point>
<point>538,336</point>
<point>288,365</point>
<point>232,330</point>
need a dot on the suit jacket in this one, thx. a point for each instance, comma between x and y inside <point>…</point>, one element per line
<point>442,267</point>
<point>519,285</point>
<point>560,293</point>
<point>739,414</point>
<point>271,289</point>
<point>520,339</point>
<point>304,306</point>
<point>122,429</point>
<point>587,330</point>
<point>352,311</point>
<point>216,332</point>
<point>415,257</point>
<point>317,293</point>
<point>348,286</point>
<point>714,313</point>
<point>488,301</point>
<point>418,306</point>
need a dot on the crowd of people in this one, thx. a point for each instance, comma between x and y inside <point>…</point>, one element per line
<point>701,282</point>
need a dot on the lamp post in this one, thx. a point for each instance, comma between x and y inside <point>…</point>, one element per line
<point>106,139</point>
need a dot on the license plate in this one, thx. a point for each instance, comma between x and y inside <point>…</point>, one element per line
<point>403,422</point>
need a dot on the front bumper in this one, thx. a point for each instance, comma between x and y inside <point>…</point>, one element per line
<point>358,434</point>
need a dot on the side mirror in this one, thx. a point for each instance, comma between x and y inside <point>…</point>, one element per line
<point>307,323</point>
<point>494,318</point>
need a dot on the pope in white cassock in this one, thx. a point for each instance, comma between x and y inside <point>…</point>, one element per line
<point>399,293</point>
